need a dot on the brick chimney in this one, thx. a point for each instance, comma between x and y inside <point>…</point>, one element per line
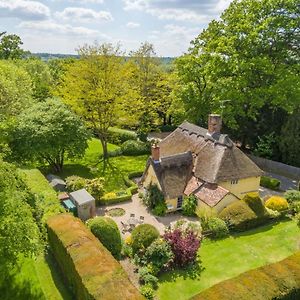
<point>214,124</point>
<point>155,152</point>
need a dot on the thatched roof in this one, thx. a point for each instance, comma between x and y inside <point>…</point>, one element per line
<point>173,173</point>
<point>216,158</point>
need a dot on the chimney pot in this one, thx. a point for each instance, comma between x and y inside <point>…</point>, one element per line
<point>155,152</point>
<point>214,124</point>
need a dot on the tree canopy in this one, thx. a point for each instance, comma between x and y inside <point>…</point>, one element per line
<point>48,132</point>
<point>10,46</point>
<point>249,57</point>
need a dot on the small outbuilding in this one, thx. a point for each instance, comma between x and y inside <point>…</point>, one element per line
<point>85,204</point>
<point>56,182</point>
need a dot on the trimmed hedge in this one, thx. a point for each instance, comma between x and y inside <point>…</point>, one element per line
<point>118,136</point>
<point>280,281</point>
<point>87,265</point>
<point>133,148</point>
<point>113,197</point>
<point>246,213</point>
<point>270,183</point>
<point>107,231</point>
<point>46,202</point>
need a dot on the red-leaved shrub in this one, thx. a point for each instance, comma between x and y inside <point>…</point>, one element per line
<point>184,245</point>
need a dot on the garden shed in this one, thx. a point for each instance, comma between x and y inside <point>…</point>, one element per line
<point>56,182</point>
<point>85,204</point>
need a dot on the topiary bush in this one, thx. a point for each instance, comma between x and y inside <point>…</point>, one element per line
<point>142,236</point>
<point>132,148</point>
<point>270,183</point>
<point>240,216</point>
<point>107,231</point>
<point>292,196</point>
<point>277,203</point>
<point>189,205</point>
<point>118,136</point>
<point>217,227</point>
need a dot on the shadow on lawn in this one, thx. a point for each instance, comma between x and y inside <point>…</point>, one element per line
<point>58,278</point>
<point>11,288</point>
<point>192,272</point>
<point>260,229</point>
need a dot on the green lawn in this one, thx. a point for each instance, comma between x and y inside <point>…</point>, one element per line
<point>35,280</point>
<point>91,166</point>
<point>229,257</point>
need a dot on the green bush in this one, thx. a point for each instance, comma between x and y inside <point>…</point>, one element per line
<point>280,281</point>
<point>292,196</point>
<point>205,214</point>
<point>75,183</point>
<point>270,183</point>
<point>84,261</point>
<point>95,187</point>
<point>160,209</point>
<point>107,231</point>
<point>133,148</point>
<point>147,291</point>
<point>189,205</point>
<point>277,203</point>
<point>159,254</point>
<point>142,237</point>
<point>217,227</point>
<point>118,136</point>
<point>145,277</point>
<point>240,216</point>
<point>295,207</point>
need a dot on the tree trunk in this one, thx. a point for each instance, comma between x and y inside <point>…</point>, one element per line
<point>104,147</point>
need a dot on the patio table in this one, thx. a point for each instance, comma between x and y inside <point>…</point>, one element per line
<point>132,221</point>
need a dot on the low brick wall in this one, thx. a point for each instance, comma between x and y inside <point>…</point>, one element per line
<point>276,167</point>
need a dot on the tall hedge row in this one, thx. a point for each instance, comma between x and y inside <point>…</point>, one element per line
<point>89,268</point>
<point>280,281</point>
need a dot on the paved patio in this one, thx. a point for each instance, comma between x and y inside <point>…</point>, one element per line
<point>135,206</point>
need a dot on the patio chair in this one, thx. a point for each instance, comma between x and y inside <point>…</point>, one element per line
<point>125,227</point>
<point>142,219</point>
<point>132,215</point>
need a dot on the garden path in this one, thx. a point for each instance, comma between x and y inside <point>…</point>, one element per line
<point>135,206</point>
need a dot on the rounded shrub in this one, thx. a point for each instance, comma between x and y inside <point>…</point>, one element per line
<point>107,231</point>
<point>132,147</point>
<point>292,196</point>
<point>277,203</point>
<point>147,291</point>
<point>142,237</point>
<point>270,183</point>
<point>75,183</point>
<point>217,227</point>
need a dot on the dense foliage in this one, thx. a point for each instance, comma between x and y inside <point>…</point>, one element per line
<point>246,213</point>
<point>154,197</point>
<point>107,231</point>
<point>159,254</point>
<point>189,205</point>
<point>19,234</point>
<point>132,147</point>
<point>142,237</point>
<point>217,227</point>
<point>277,203</point>
<point>48,132</point>
<point>245,65</point>
<point>292,196</point>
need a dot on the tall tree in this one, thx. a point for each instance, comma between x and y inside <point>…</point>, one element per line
<point>93,87</point>
<point>289,141</point>
<point>48,132</point>
<point>250,57</point>
<point>10,46</point>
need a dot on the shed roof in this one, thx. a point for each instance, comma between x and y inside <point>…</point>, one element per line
<point>81,197</point>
